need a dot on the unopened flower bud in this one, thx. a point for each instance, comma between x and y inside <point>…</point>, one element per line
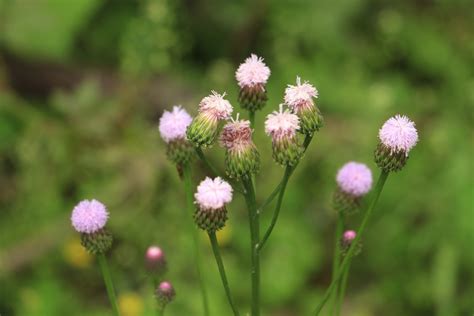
<point>252,76</point>
<point>89,219</point>
<point>397,137</point>
<point>300,99</point>
<point>211,198</point>
<point>242,158</point>
<point>155,260</point>
<point>205,126</point>
<point>354,180</point>
<point>173,126</point>
<point>282,126</point>
<point>346,242</point>
<point>165,293</point>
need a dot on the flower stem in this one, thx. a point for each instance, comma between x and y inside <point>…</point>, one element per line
<point>252,118</point>
<point>342,288</point>
<point>284,182</point>
<point>104,267</point>
<point>220,265</point>
<point>193,230</point>
<point>378,189</point>
<point>254,220</point>
<point>337,256</point>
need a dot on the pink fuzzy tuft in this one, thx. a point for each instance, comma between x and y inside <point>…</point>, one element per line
<point>213,194</point>
<point>173,124</point>
<point>252,72</point>
<point>89,216</point>
<point>281,124</point>
<point>399,134</point>
<point>354,178</point>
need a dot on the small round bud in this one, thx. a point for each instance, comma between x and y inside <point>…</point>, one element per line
<point>346,242</point>
<point>252,76</point>
<point>397,137</point>
<point>204,128</point>
<point>173,126</point>
<point>242,158</point>
<point>300,99</point>
<point>155,260</point>
<point>282,126</point>
<point>211,198</point>
<point>165,293</point>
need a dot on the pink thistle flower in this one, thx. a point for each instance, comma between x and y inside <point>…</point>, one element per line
<point>301,96</point>
<point>354,178</point>
<point>399,134</point>
<point>173,124</point>
<point>252,72</point>
<point>349,236</point>
<point>89,216</point>
<point>236,134</point>
<point>215,107</point>
<point>281,124</point>
<point>213,194</point>
<point>155,259</point>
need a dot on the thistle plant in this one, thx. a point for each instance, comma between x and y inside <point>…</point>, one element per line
<point>291,127</point>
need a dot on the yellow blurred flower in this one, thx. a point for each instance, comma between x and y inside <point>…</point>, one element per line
<point>75,254</point>
<point>130,304</point>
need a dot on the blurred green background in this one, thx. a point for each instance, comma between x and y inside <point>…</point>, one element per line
<point>84,82</point>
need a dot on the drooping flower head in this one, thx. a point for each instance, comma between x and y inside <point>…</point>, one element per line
<point>398,133</point>
<point>165,293</point>
<point>300,96</point>
<point>89,216</point>
<point>281,124</point>
<point>173,124</point>
<point>213,194</point>
<point>354,178</point>
<point>252,72</point>
<point>215,106</point>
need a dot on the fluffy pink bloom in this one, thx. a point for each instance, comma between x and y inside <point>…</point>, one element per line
<point>215,106</point>
<point>89,216</point>
<point>300,95</point>
<point>281,124</point>
<point>349,236</point>
<point>213,194</point>
<point>154,254</point>
<point>399,134</point>
<point>236,134</point>
<point>354,178</point>
<point>252,72</point>
<point>173,124</point>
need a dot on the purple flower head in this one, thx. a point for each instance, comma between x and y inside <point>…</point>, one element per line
<point>354,178</point>
<point>154,254</point>
<point>349,236</point>
<point>213,194</point>
<point>280,124</point>
<point>89,216</point>
<point>215,106</point>
<point>252,72</point>
<point>399,134</point>
<point>300,95</point>
<point>165,292</point>
<point>173,124</point>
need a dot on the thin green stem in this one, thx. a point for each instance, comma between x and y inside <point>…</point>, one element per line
<point>378,189</point>
<point>252,118</point>
<point>104,267</point>
<point>342,288</point>
<point>254,220</point>
<point>286,177</point>
<point>194,233</point>
<point>275,192</point>
<point>220,265</point>
<point>337,256</point>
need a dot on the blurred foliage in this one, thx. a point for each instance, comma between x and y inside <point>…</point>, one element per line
<point>369,60</point>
